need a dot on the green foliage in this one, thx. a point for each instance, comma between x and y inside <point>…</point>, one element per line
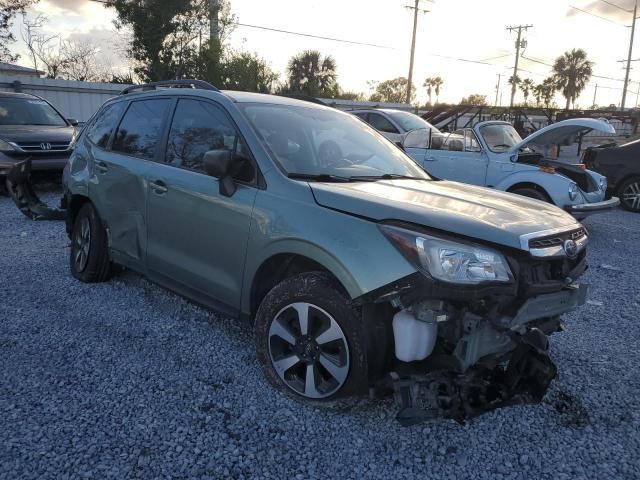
<point>544,92</point>
<point>392,91</point>
<point>312,74</point>
<point>571,73</point>
<point>526,86</point>
<point>354,96</point>
<point>433,84</point>
<point>247,72</point>
<point>474,99</point>
<point>8,10</point>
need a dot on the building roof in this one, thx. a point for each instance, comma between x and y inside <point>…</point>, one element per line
<point>18,69</point>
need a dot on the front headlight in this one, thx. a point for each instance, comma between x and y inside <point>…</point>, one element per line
<point>6,146</point>
<point>449,261</point>
<point>573,191</point>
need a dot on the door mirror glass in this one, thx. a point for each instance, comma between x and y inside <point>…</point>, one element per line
<point>417,138</point>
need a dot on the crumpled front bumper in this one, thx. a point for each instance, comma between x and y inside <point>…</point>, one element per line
<point>519,373</point>
<point>585,209</point>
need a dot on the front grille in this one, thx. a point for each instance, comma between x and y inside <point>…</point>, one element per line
<point>48,146</point>
<point>556,239</point>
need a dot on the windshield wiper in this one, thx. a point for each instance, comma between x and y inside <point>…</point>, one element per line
<point>322,177</point>
<point>387,176</point>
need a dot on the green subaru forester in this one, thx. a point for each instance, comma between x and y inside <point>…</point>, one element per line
<point>357,270</point>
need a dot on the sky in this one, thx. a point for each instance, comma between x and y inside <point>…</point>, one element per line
<point>452,31</point>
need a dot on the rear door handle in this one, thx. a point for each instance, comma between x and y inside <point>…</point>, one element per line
<point>429,158</point>
<point>159,187</point>
<point>101,167</point>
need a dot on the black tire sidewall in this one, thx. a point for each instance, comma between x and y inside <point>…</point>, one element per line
<point>98,265</point>
<point>623,186</point>
<point>531,193</point>
<point>319,289</point>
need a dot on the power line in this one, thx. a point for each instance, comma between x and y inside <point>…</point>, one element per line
<point>617,6</point>
<point>332,39</point>
<point>598,16</point>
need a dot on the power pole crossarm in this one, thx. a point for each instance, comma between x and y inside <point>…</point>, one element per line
<point>519,44</point>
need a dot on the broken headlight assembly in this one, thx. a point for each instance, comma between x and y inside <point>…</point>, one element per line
<point>449,261</point>
<point>6,146</point>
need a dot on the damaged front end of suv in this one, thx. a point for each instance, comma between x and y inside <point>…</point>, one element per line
<point>471,326</point>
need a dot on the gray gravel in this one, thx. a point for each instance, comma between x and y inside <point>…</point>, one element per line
<point>126,380</point>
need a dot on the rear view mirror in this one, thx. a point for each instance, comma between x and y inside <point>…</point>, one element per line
<point>217,163</point>
<point>73,122</point>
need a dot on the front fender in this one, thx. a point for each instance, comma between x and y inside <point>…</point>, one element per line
<point>556,186</point>
<point>353,249</point>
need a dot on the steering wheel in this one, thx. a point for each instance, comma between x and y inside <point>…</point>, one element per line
<point>330,154</point>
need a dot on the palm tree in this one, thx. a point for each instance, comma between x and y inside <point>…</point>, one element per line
<point>429,84</point>
<point>437,84</point>
<point>571,73</point>
<point>313,74</point>
<point>526,86</point>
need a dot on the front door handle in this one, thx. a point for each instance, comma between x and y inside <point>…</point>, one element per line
<point>159,187</point>
<point>101,167</point>
<point>429,158</point>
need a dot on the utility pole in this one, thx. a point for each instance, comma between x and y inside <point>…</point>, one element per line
<point>214,28</point>
<point>415,9</point>
<point>626,76</point>
<point>497,89</point>
<point>519,44</point>
<point>595,93</point>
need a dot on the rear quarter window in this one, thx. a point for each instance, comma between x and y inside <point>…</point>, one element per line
<point>101,129</point>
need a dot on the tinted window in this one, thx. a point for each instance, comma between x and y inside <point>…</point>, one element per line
<point>100,131</point>
<point>382,124</point>
<point>139,131</point>
<point>28,111</point>
<point>198,127</point>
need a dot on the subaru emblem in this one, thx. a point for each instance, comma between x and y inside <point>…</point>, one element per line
<point>570,248</point>
<point>45,146</point>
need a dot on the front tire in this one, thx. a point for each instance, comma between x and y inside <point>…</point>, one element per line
<point>309,341</point>
<point>89,258</point>
<point>532,193</point>
<point>629,194</point>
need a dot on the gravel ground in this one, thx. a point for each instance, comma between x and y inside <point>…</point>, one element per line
<point>126,380</point>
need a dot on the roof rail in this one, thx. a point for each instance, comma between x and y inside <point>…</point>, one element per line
<point>190,83</point>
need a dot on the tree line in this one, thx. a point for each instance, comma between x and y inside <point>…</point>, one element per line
<point>170,39</point>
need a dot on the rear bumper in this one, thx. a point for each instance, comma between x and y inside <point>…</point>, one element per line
<point>585,209</point>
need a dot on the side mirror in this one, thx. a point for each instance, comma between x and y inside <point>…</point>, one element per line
<point>217,163</point>
<point>417,139</point>
<point>73,122</point>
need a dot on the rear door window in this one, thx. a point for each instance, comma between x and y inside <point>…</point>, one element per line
<point>380,123</point>
<point>141,128</point>
<point>100,131</point>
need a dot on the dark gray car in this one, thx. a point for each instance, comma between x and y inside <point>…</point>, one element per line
<point>30,127</point>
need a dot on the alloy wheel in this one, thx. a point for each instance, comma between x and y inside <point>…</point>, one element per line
<point>83,241</point>
<point>308,350</point>
<point>631,195</point>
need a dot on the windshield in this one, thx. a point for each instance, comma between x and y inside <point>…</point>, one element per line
<point>323,142</point>
<point>500,138</point>
<point>409,121</point>
<point>29,111</point>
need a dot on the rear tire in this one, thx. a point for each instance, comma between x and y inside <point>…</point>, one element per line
<point>629,194</point>
<point>89,257</point>
<point>322,361</point>
<point>532,193</point>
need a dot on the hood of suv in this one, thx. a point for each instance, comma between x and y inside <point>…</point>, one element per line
<point>20,134</point>
<point>474,212</point>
